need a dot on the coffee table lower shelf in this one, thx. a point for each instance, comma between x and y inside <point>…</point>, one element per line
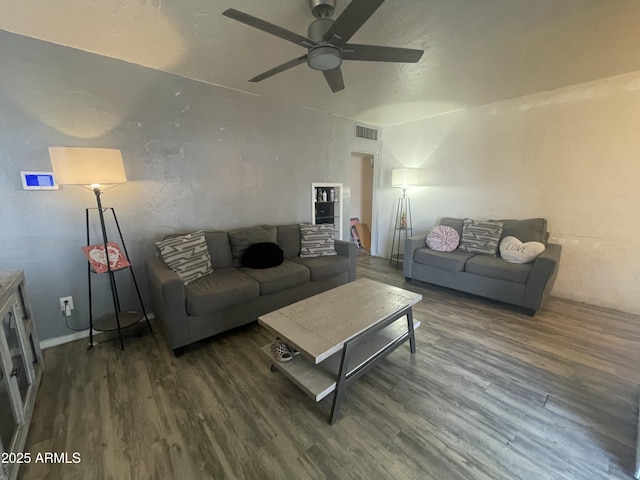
<point>318,381</point>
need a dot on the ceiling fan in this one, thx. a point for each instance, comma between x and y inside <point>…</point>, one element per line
<point>326,40</point>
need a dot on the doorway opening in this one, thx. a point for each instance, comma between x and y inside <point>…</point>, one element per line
<point>361,186</point>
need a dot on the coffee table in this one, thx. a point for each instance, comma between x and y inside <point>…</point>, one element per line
<point>340,334</point>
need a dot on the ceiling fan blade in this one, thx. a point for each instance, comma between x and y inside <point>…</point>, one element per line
<point>375,53</point>
<point>268,27</point>
<point>334,79</point>
<point>279,68</point>
<point>350,20</point>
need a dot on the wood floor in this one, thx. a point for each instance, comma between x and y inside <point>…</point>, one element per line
<point>490,394</point>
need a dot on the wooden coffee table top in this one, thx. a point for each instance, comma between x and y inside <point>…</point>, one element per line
<point>318,326</point>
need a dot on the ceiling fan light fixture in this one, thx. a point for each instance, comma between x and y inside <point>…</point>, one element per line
<point>324,58</point>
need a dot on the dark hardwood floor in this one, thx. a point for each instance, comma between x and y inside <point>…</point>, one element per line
<point>490,394</point>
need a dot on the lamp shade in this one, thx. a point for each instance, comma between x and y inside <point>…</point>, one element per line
<point>89,167</point>
<point>406,177</point>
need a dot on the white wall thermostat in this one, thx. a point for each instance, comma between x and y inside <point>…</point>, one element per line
<point>38,181</point>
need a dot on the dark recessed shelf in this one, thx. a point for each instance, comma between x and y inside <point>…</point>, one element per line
<point>326,206</point>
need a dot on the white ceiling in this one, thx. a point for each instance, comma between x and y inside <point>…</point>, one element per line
<point>476,51</point>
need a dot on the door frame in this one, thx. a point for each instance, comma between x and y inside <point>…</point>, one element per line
<point>375,193</point>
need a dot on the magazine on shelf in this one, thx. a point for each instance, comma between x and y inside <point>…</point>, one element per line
<point>95,255</point>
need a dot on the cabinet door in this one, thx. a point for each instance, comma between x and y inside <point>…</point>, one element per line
<point>4,467</point>
<point>28,338</point>
<point>8,422</point>
<point>12,414</point>
<point>15,367</point>
<point>24,312</point>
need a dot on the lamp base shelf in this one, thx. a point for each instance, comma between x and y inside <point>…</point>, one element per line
<point>108,323</point>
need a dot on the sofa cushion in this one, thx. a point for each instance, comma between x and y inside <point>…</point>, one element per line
<point>495,267</point>
<point>443,238</point>
<point>481,237</point>
<point>289,240</point>
<point>286,275</point>
<point>514,251</point>
<point>219,249</point>
<point>325,267</point>
<point>452,261</point>
<point>222,289</point>
<point>244,238</point>
<point>262,255</point>
<point>187,255</point>
<point>455,223</point>
<point>317,240</point>
<point>528,230</point>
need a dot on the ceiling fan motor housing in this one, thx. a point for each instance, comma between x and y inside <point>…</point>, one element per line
<point>322,8</point>
<point>317,28</point>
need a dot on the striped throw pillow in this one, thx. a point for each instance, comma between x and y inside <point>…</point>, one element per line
<point>480,237</point>
<point>317,240</point>
<point>187,255</point>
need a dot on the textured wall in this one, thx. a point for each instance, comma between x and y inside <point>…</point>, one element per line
<point>196,155</point>
<point>569,155</point>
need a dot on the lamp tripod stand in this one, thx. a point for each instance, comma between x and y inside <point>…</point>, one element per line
<point>402,226</point>
<point>119,320</point>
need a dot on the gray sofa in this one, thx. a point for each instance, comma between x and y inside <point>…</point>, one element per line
<point>233,296</point>
<point>524,285</point>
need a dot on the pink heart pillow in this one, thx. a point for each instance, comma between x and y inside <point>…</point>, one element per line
<point>514,251</point>
<point>443,239</point>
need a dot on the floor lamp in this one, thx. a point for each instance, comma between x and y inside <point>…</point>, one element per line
<point>402,178</point>
<point>99,169</point>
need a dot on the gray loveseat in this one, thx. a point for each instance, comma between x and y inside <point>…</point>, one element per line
<point>232,296</point>
<point>525,285</point>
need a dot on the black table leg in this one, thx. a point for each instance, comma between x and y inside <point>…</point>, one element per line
<point>345,376</point>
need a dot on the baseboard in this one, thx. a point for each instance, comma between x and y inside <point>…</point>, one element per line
<point>53,342</point>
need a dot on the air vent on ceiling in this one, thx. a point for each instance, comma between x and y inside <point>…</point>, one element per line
<point>365,132</point>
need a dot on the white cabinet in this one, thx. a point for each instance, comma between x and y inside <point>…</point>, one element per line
<point>326,205</point>
<point>21,369</point>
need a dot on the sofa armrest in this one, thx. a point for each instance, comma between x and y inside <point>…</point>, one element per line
<point>348,249</point>
<point>411,244</point>
<point>542,277</point>
<point>168,300</point>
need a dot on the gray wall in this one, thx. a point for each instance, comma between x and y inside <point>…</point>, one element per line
<point>569,155</point>
<point>196,155</point>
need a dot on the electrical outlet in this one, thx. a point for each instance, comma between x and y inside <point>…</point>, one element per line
<point>69,305</point>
